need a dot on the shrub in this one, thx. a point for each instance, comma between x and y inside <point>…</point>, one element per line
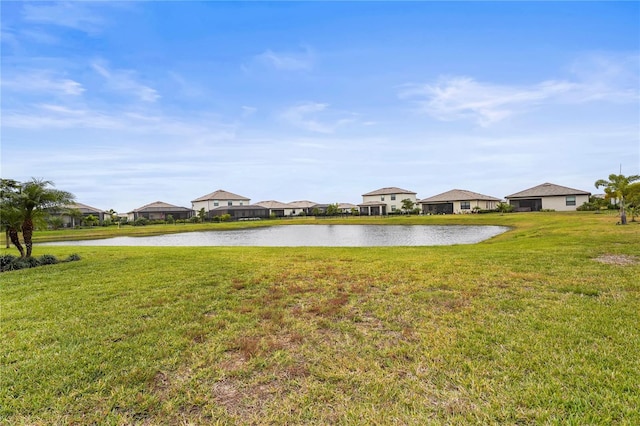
<point>6,260</point>
<point>48,259</point>
<point>73,257</point>
<point>141,221</point>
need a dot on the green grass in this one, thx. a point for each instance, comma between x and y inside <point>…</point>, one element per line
<point>526,328</point>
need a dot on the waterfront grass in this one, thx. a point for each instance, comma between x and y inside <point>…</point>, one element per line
<point>537,325</point>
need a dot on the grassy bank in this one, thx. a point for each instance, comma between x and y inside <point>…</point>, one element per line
<point>538,325</point>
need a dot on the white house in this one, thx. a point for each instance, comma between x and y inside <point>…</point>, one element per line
<point>218,198</point>
<point>548,196</point>
<point>384,200</point>
<point>457,201</point>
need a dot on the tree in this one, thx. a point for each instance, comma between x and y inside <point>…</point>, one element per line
<point>91,220</point>
<point>9,217</point>
<point>504,208</point>
<point>202,215</point>
<point>333,210</point>
<point>618,187</point>
<point>32,200</point>
<point>407,205</point>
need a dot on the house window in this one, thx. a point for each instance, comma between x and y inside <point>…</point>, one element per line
<point>393,208</point>
<point>229,203</point>
<point>382,198</point>
<point>241,203</point>
<point>465,205</point>
<point>216,204</point>
<point>571,200</point>
<point>393,197</point>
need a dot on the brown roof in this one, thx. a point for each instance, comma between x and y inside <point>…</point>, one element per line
<point>547,190</point>
<point>458,195</point>
<point>221,195</point>
<point>389,190</point>
<point>159,206</point>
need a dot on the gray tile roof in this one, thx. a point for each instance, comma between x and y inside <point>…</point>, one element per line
<point>389,190</point>
<point>83,208</point>
<point>303,204</point>
<point>221,195</point>
<point>159,206</point>
<point>458,195</point>
<point>273,204</point>
<point>547,190</point>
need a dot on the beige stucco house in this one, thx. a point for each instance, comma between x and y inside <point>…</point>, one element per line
<point>457,201</point>
<point>304,206</point>
<point>384,200</point>
<point>159,210</point>
<point>219,198</point>
<point>276,208</point>
<point>73,215</point>
<point>548,196</point>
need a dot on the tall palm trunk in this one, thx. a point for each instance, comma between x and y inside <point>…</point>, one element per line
<point>27,235</point>
<point>13,235</point>
<point>6,238</point>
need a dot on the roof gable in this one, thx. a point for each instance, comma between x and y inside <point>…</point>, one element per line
<point>547,190</point>
<point>388,190</point>
<point>221,195</point>
<point>159,206</point>
<point>458,195</point>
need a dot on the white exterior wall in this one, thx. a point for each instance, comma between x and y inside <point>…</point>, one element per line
<point>211,204</point>
<point>559,203</point>
<point>388,201</point>
<point>483,204</point>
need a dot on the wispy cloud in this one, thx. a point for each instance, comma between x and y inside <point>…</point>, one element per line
<point>125,81</point>
<point>316,117</point>
<point>288,61</point>
<point>461,97</point>
<point>42,82</point>
<point>75,15</point>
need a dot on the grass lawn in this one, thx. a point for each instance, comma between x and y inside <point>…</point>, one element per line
<point>538,325</point>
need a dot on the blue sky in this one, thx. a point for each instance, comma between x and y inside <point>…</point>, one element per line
<point>126,103</point>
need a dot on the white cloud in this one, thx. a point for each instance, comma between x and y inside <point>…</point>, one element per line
<point>596,78</point>
<point>287,61</point>
<point>316,117</point>
<point>125,81</point>
<point>76,15</point>
<point>42,82</point>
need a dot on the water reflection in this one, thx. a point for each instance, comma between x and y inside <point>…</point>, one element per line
<point>313,236</point>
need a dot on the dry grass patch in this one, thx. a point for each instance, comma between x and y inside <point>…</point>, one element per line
<point>617,259</point>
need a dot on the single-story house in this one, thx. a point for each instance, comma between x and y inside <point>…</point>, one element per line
<point>548,196</point>
<point>219,198</point>
<point>346,208</point>
<point>241,212</point>
<point>457,201</point>
<point>302,206</point>
<point>159,210</point>
<point>75,213</point>
<point>384,200</point>
<point>276,208</point>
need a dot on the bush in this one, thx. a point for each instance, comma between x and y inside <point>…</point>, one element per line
<point>6,260</point>
<point>73,257</point>
<point>141,221</point>
<point>225,218</point>
<point>48,259</point>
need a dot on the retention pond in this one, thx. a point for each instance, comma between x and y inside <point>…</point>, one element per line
<point>313,236</point>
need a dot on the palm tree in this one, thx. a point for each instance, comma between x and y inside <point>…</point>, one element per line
<point>32,200</point>
<point>617,187</point>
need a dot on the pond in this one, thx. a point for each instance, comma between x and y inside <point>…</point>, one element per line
<point>313,235</point>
